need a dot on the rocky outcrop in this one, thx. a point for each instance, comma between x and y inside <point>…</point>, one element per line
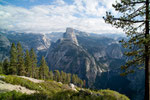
<point>69,35</point>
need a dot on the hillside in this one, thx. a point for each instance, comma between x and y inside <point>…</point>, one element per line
<point>33,89</point>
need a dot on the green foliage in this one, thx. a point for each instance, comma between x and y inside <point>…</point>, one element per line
<point>57,76</point>
<point>33,62</point>
<point>21,81</point>
<point>68,78</point>
<point>76,80</point>
<point>51,90</point>
<point>112,94</point>
<point>50,87</point>
<point>6,66</point>
<point>51,75</point>
<point>63,95</point>
<point>13,95</point>
<point>63,77</point>
<point>43,70</point>
<point>28,65</point>
<point>13,60</point>
<point>20,60</point>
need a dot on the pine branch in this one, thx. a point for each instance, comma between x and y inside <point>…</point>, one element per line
<point>132,15</point>
<point>126,20</point>
<point>138,2</point>
<point>132,3</point>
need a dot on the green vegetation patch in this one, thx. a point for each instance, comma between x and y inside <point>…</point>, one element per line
<point>21,81</point>
<point>52,90</point>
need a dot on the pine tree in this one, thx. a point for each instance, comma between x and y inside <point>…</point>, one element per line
<point>33,62</point>
<point>51,75</point>
<point>6,66</point>
<point>63,77</point>
<point>20,59</point>
<point>134,20</point>
<point>13,60</point>
<point>57,76</point>
<point>43,70</point>
<point>28,64</point>
<point>68,79</point>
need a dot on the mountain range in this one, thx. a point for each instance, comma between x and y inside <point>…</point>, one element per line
<point>96,58</point>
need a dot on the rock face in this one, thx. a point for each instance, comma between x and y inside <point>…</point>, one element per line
<point>69,35</point>
<point>4,47</point>
<point>67,55</point>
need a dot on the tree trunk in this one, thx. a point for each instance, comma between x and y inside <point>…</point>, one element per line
<point>147,70</point>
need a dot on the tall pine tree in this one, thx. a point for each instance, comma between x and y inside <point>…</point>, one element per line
<point>13,60</point>
<point>68,79</point>
<point>57,76</point>
<point>28,64</point>
<point>63,77</point>
<point>20,60</point>
<point>43,70</point>
<point>33,62</point>
<point>6,66</point>
<point>51,75</point>
<point>134,20</point>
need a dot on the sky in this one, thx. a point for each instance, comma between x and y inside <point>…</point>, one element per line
<point>45,16</point>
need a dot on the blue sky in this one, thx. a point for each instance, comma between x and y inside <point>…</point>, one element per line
<point>45,16</point>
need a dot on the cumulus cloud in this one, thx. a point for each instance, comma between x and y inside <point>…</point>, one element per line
<point>85,15</point>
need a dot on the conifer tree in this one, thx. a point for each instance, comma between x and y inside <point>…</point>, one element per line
<point>57,76</point>
<point>20,60</point>
<point>43,70</point>
<point>28,64</point>
<point>6,66</point>
<point>134,20</point>
<point>68,79</point>
<point>63,77</point>
<point>33,62</point>
<point>51,75</point>
<point>13,60</point>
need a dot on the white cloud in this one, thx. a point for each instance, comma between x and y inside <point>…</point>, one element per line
<point>85,15</point>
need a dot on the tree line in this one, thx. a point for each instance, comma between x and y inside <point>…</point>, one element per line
<point>25,64</point>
